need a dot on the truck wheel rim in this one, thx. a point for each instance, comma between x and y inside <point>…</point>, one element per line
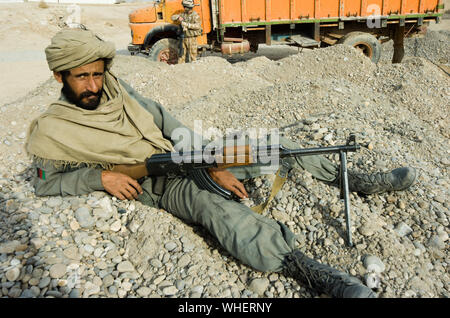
<point>364,48</point>
<point>168,56</point>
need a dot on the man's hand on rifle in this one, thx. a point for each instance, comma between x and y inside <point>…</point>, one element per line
<point>228,181</point>
<point>120,185</point>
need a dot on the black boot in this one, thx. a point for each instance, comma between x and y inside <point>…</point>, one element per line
<point>325,279</point>
<point>396,180</point>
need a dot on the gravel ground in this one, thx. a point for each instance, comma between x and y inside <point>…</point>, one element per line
<point>96,246</point>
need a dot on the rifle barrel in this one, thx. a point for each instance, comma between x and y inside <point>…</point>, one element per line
<point>318,151</point>
<point>281,152</point>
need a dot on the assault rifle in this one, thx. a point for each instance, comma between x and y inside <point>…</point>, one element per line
<point>195,164</point>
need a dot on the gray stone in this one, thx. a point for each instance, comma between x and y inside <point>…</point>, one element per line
<point>212,291</point>
<point>259,285</point>
<point>159,279</point>
<point>280,216</point>
<point>84,218</point>
<point>184,260</point>
<point>367,229</point>
<point>8,247</point>
<point>53,293</point>
<point>170,246</point>
<point>115,226</point>
<point>403,229</point>
<point>373,280</point>
<point>74,293</point>
<point>143,291</point>
<point>35,291</point>
<point>179,283</point>
<point>188,247</point>
<point>112,290</point>
<point>125,266</point>
<point>436,242</point>
<point>45,210</point>
<point>44,282</point>
<point>108,280</point>
<point>90,289</point>
<point>273,277</point>
<point>54,202</point>
<point>14,292</point>
<point>170,290</point>
<point>197,289</point>
<point>37,243</point>
<point>373,264</point>
<point>13,274</point>
<point>102,226</point>
<point>58,270</point>
<point>27,293</point>
<point>72,253</point>
<point>155,263</point>
<point>104,214</point>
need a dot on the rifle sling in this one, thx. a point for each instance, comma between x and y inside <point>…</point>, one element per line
<point>280,178</point>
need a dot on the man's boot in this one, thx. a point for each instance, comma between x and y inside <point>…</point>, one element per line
<point>396,180</point>
<point>325,279</point>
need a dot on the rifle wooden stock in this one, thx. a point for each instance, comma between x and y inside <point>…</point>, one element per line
<point>229,157</point>
<point>235,156</point>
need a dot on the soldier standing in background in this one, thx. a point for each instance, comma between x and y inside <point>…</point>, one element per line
<point>192,27</point>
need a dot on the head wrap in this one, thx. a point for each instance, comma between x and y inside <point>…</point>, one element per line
<point>75,47</point>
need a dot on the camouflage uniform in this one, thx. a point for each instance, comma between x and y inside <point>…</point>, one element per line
<point>192,28</point>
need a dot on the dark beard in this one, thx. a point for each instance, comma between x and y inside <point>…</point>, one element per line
<point>92,104</point>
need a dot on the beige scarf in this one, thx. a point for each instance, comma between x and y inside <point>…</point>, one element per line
<point>119,131</point>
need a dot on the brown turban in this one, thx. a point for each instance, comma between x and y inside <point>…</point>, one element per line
<point>75,47</point>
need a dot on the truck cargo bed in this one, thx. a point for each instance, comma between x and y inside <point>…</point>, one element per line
<point>248,12</point>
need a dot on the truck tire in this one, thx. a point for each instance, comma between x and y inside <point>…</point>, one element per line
<point>165,50</point>
<point>365,42</point>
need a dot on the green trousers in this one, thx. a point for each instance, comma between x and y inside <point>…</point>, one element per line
<point>255,240</point>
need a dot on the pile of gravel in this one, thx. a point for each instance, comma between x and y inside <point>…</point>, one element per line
<point>97,246</point>
<point>434,47</point>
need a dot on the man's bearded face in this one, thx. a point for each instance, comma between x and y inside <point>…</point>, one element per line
<point>83,85</point>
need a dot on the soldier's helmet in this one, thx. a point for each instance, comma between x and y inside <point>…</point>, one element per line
<point>188,3</point>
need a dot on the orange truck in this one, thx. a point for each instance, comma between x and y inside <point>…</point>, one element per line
<point>239,26</point>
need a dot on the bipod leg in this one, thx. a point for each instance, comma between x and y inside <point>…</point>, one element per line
<point>345,195</point>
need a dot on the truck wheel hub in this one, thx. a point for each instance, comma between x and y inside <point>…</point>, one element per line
<point>364,48</point>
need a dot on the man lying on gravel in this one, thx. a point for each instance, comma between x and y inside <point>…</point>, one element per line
<point>100,121</point>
